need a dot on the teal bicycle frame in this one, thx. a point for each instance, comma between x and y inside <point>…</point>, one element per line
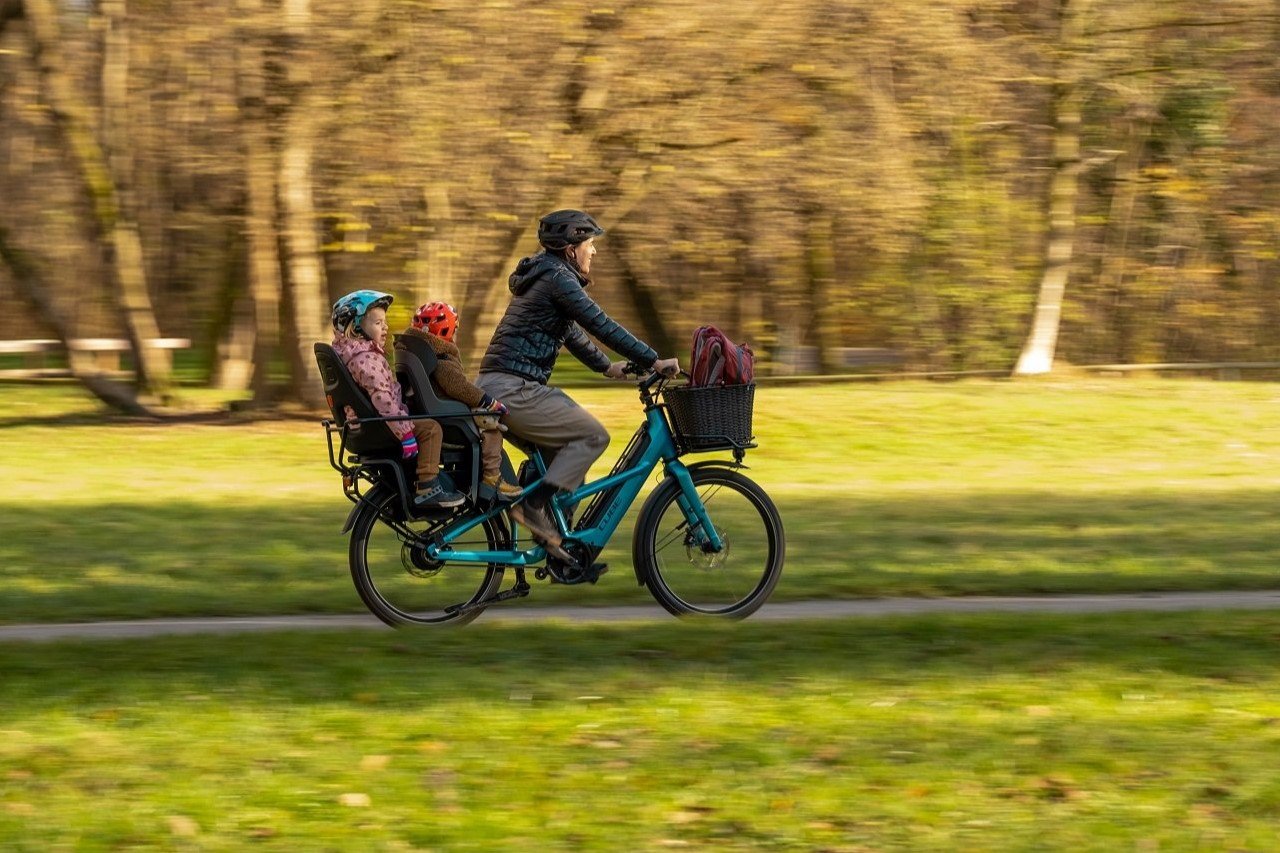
<point>661,448</point>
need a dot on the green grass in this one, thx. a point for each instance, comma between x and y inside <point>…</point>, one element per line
<point>895,489</point>
<point>1151,731</point>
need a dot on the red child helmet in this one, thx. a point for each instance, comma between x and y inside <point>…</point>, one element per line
<point>438,318</point>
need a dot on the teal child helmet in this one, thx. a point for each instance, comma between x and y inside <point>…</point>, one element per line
<point>349,311</point>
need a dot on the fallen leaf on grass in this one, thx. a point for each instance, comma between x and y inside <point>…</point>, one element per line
<point>1206,811</point>
<point>1059,788</point>
<point>1039,711</point>
<point>375,762</point>
<point>355,801</point>
<point>20,808</point>
<point>183,826</point>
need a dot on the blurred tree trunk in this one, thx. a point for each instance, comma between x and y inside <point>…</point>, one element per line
<point>654,328</point>
<point>305,280</point>
<point>1114,266</point>
<point>262,250</point>
<point>261,245</point>
<point>821,272</point>
<point>753,323</point>
<point>232,330</point>
<point>115,228</point>
<point>1042,341</point>
<point>1038,350</point>
<point>32,287</point>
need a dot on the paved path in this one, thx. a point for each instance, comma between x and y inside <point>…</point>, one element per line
<point>782,611</point>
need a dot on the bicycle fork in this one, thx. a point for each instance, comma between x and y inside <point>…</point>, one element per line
<point>702,531</point>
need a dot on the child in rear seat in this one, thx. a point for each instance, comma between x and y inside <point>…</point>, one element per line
<point>437,324</point>
<point>359,339</point>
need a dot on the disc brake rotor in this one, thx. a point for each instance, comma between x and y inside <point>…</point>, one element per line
<point>704,559</point>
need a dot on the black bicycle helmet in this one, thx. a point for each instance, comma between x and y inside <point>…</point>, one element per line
<point>564,228</point>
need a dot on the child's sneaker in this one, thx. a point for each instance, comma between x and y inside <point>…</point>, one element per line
<point>432,494</point>
<point>506,491</point>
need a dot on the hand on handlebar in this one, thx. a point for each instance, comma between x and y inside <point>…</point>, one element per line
<point>667,366</point>
<point>617,370</point>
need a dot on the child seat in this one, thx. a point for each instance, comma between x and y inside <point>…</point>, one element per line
<point>415,365</point>
<point>341,390</point>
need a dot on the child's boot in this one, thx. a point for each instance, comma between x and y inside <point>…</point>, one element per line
<point>506,491</point>
<point>433,494</point>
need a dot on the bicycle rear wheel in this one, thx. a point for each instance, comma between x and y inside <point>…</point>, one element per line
<point>687,578</point>
<point>401,586</point>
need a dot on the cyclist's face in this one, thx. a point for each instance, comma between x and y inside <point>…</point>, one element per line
<point>375,326</point>
<point>583,253</point>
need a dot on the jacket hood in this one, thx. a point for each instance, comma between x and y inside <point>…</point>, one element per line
<point>532,268</point>
<point>439,344</point>
<point>349,348</point>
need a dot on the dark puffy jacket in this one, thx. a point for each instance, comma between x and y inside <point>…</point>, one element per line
<point>549,308</point>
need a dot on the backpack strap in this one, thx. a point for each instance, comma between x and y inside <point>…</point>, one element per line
<point>716,357</point>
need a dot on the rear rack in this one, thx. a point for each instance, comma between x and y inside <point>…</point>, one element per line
<point>354,468</point>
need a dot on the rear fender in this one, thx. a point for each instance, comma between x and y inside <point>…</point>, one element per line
<point>373,497</point>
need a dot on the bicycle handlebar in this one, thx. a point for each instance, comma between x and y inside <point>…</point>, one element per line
<point>647,376</point>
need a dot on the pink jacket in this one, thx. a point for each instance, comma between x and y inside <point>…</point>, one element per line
<point>368,365</point>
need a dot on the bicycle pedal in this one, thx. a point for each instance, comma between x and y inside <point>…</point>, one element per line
<point>520,590</point>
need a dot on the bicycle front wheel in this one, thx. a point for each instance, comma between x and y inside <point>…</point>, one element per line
<point>401,586</point>
<point>687,578</point>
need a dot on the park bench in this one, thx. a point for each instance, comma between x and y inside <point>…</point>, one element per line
<point>1226,370</point>
<point>803,360</point>
<point>106,352</point>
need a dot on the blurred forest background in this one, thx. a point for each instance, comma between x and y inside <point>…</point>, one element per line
<point>971,184</point>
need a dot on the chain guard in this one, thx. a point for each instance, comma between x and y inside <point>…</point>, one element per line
<point>560,573</point>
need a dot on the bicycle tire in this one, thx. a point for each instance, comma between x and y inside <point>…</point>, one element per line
<point>733,583</point>
<point>448,582</point>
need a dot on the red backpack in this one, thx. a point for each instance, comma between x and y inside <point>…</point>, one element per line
<point>719,361</point>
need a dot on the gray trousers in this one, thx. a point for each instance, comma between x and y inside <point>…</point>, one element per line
<point>569,436</point>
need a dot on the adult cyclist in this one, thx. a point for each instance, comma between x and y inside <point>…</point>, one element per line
<point>549,309</point>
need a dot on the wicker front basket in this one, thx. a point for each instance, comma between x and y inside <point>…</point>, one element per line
<point>711,418</point>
